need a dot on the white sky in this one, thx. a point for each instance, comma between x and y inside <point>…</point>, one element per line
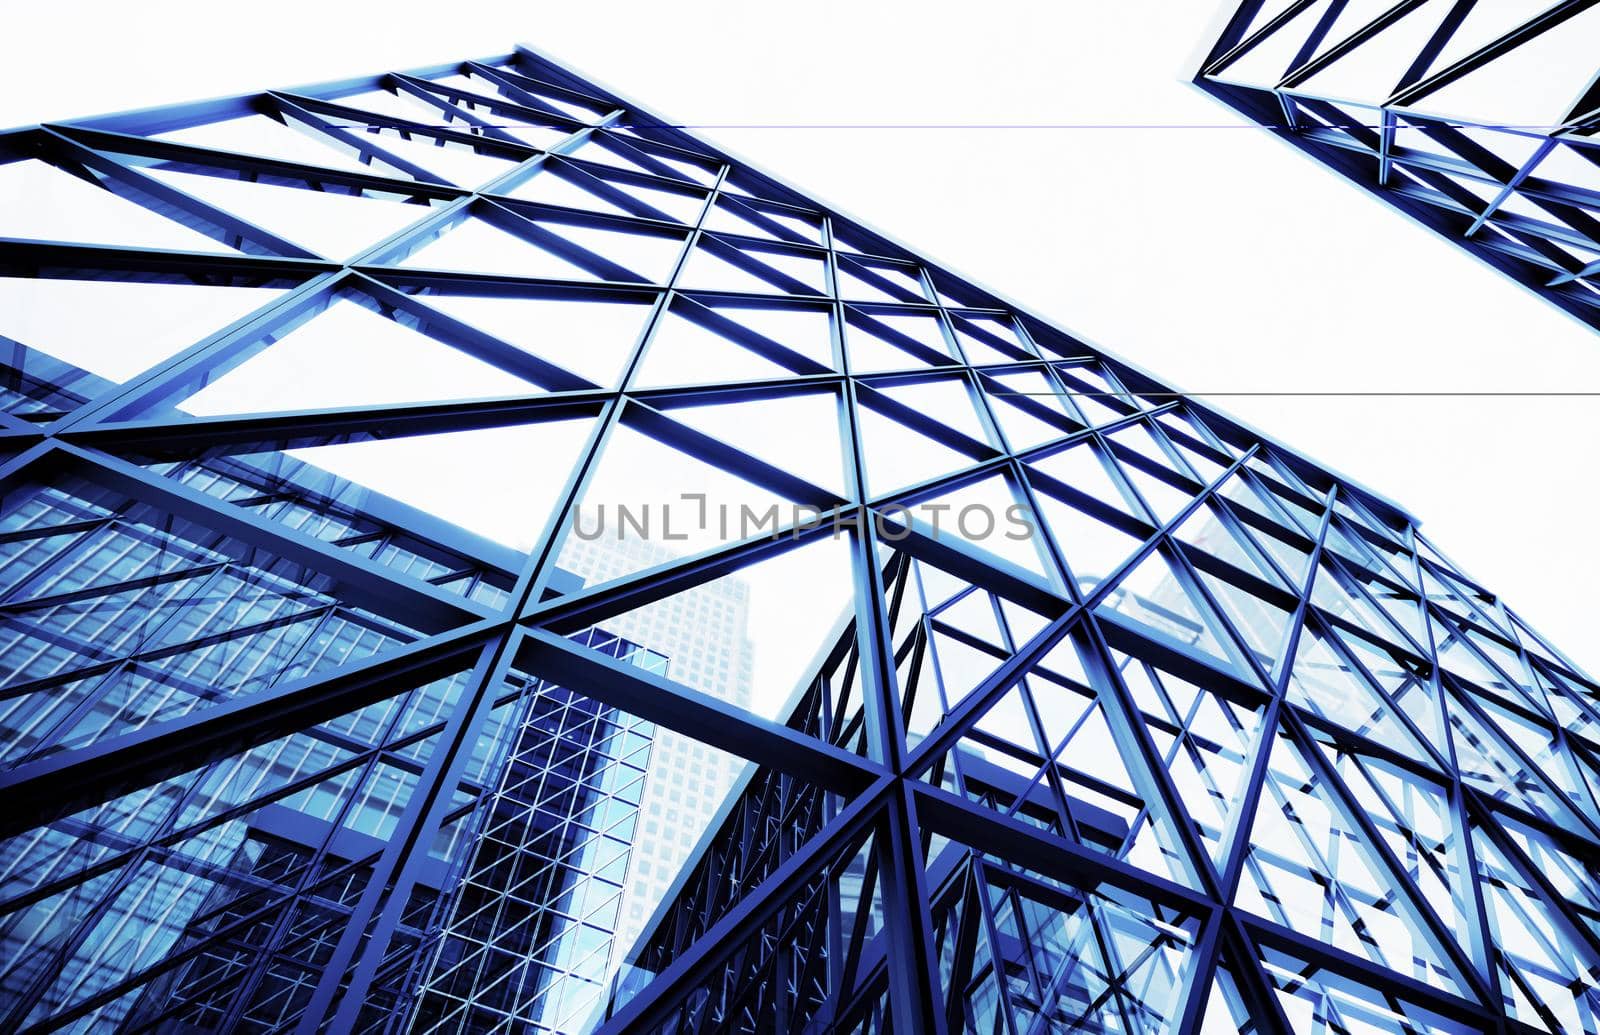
<point>1216,257</point>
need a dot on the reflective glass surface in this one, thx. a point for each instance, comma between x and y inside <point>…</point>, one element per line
<point>475,558</point>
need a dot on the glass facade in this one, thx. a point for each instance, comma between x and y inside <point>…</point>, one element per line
<point>1478,120</point>
<point>474,557</point>
<point>530,932</point>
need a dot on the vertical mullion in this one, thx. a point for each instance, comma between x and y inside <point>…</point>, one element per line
<point>1244,815</point>
<point>914,992</point>
<point>389,887</point>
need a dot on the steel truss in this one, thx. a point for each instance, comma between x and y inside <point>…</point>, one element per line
<point>1366,91</point>
<point>1313,770</point>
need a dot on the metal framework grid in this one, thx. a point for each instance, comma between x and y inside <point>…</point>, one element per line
<point>1367,90</point>
<point>1310,777</point>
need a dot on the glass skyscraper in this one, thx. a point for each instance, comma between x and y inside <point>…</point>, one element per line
<point>530,930</point>
<point>706,634</point>
<point>428,499</point>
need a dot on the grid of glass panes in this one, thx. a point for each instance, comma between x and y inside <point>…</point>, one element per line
<point>310,395</point>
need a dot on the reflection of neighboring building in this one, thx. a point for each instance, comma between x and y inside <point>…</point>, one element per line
<point>284,753</point>
<point>529,933</point>
<point>521,929</point>
<point>1164,608</point>
<point>231,913</point>
<point>744,839</point>
<point>705,633</point>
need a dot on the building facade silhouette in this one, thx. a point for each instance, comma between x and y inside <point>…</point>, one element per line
<point>1477,120</point>
<point>1067,703</point>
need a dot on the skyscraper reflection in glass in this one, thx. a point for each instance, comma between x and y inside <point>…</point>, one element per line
<point>429,499</point>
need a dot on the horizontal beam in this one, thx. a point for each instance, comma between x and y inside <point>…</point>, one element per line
<point>694,714</point>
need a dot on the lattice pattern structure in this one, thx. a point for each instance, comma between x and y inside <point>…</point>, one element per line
<point>1076,705</point>
<point>530,926</point>
<point>1477,119</point>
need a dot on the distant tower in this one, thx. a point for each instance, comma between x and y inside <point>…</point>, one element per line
<point>705,635</point>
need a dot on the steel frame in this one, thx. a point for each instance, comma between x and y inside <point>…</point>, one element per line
<point>890,787</point>
<point>1489,188</point>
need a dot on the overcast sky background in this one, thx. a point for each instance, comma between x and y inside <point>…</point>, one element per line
<point>1210,254</point>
